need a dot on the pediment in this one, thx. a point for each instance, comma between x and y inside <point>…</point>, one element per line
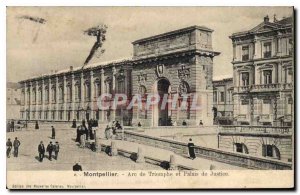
<point>264,27</point>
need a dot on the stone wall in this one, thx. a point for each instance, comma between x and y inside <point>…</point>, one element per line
<point>242,160</point>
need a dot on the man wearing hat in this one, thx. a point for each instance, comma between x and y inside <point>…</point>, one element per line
<point>8,148</point>
<point>53,132</point>
<point>56,150</point>
<point>50,150</point>
<point>16,145</point>
<point>41,150</point>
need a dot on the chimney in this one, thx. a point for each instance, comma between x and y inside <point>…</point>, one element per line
<point>71,68</point>
<point>266,19</point>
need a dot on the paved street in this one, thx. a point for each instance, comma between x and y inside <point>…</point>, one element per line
<point>69,154</point>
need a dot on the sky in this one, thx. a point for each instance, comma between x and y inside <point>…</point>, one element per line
<point>35,49</point>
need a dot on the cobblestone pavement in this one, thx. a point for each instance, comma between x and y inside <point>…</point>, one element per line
<point>68,155</point>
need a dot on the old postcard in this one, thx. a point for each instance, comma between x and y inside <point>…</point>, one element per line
<point>150,97</point>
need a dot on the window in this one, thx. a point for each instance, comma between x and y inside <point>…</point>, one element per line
<point>222,97</point>
<point>215,96</point>
<point>267,50</point>
<point>46,115</point>
<point>53,93</point>
<point>69,93</point>
<point>77,92</point>
<point>46,95</point>
<point>239,147</point>
<point>245,78</point>
<point>87,91</point>
<point>61,94</point>
<point>121,86</point>
<point>267,76</point>
<point>290,47</point>
<point>269,150</point>
<point>245,53</point>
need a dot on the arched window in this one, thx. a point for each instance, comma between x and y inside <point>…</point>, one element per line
<point>53,94</point>
<point>69,92</point>
<point>34,95</point>
<point>270,150</point>
<point>87,90</point>
<point>77,91</point>
<point>241,148</point>
<point>97,88</point>
<point>61,94</point>
<point>46,94</point>
<point>40,95</point>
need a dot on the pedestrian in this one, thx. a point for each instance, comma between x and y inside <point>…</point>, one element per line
<point>78,133</point>
<point>16,145</point>
<point>184,123</point>
<point>8,148</point>
<point>77,167</point>
<point>191,147</point>
<point>82,140</point>
<point>107,132</point>
<point>139,124</point>
<point>8,127</point>
<point>36,125</point>
<point>12,125</point>
<point>53,132</point>
<point>50,150</point>
<point>41,150</point>
<point>201,123</point>
<point>56,150</point>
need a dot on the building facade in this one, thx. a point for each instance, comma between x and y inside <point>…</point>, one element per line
<point>174,64</point>
<point>13,102</point>
<point>223,101</point>
<point>263,72</point>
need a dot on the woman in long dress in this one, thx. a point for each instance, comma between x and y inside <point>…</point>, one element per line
<point>191,147</point>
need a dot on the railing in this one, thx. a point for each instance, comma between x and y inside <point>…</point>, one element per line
<point>267,54</point>
<point>236,159</point>
<point>255,129</point>
<point>264,87</point>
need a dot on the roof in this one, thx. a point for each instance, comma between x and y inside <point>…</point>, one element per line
<point>204,28</point>
<point>266,26</point>
<point>222,77</point>
<point>93,65</point>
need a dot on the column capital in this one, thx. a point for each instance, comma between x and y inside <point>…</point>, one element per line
<point>102,71</point>
<point>91,72</point>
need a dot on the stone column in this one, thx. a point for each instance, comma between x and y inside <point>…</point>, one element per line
<point>65,98</point>
<point>25,98</point>
<point>113,111</point>
<point>92,88</point>
<point>173,165</point>
<point>102,87</point>
<point>36,100</point>
<point>82,94</point>
<point>50,99</point>
<point>57,98</point>
<point>43,98</point>
<point>73,97</point>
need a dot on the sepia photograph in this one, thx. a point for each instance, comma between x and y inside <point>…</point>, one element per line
<point>150,97</point>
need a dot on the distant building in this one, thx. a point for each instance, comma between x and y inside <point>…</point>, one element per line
<point>263,71</point>
<point>13,102</point>
<point>223,101</point>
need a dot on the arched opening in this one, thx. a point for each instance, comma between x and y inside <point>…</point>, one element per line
<point>163,111</point>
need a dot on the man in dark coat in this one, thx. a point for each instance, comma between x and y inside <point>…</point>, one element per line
<point>78,134</point>
<point>12,126</point>
<point>53,132</point>
<point>50,150</point>
<point>16,145</point>
<point>56,150</point>
<point>41,150</point>
<point>8,148</point>
<point>36,125</point>
<point>191,147</point>
<point>77,167</point>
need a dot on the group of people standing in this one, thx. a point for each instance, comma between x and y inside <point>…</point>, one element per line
<point>86,132</point>
<point>16,144</point>
<point>50,149</point>
<point>110,129</point>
